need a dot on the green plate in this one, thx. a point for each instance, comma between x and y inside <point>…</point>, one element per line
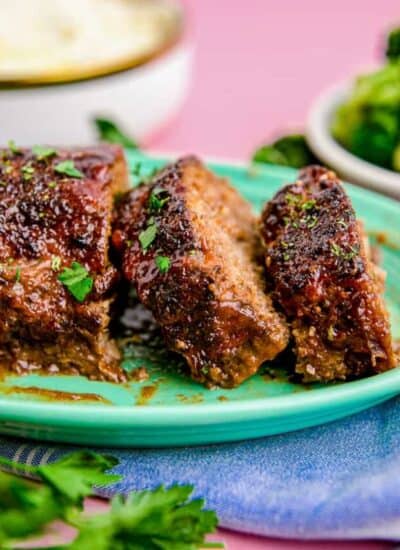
<point>170,409</point>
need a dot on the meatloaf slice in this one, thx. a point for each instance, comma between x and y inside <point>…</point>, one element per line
<point>55,213</point>
<point>189,244</point>
<point>321,275</point>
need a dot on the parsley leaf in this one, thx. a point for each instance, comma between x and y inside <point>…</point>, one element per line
<point>55,263</point>
<point>73,476</point>
<point>155,201</point>
<point>163,263</point>
<point>162,519</point>
<point>109,131</point>
<point>76,279</point>
<point>159,519</point>
<point>42,153</point>
<point>147,236</point>
<point>13,148</point>
<point>27,172</point>
<point>25,509</point>
<point>67,167</point>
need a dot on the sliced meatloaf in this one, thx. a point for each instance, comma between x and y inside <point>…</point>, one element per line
<point>189,244</point>
<point>56,279</point>
<point>322,277</point>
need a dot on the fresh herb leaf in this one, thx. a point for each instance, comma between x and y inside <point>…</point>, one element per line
<point>25,509</point>
<point>67,167</point>
<point>163,263</point>
<point>292,199</point>
<point>393,45</point>
<point>77,280</point>
<point>13,148</point>
<point>147,236</point>
<point>308,205</point>
<point>27,172</point>
<point>339,252</point>
<point>159,519</point>
<point>18,275</point>
<point>42,153</point>
<point>109,131</point>
<point>55,263</point>
<point>155,201</point>
<point>162,519</point>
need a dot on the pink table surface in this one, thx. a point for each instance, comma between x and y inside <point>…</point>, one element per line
<point>258,66</point>
<point>260,63</point>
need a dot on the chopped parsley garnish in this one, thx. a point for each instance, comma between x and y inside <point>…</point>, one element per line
<point>308,205</point>
<point>77,280</point>
<point>311,221</point>
<point>13,148</point>
<point>163,263</point>
<point>155,201</point>
<point>42,153</point>
<point>339,252</point>
<point>67,167</point>
<point>17,275</point>
<point>109,131</point>
<point>52,184</point>
<point>292,199</point>
<point>55,263</point>
<point>147,236</point>
<point>27,172</point>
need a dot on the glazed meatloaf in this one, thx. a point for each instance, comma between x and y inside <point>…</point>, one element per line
<point>56,279</point>
<point>321,275</point>
<point>189,245</point>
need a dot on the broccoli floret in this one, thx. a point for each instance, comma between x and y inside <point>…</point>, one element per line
<point>393,45</point>
<point>269,155</point>
<point>368,123</point>
<point>289,150</point>
<point>371,142</point>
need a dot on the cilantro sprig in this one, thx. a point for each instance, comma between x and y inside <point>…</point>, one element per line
<point>77,280</point>
<point>159,519</point>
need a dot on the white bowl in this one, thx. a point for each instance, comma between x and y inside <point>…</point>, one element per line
<point>347,165</point>
<point>142,99</point>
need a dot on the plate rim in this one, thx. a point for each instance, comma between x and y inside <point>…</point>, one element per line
<point>386,383</point>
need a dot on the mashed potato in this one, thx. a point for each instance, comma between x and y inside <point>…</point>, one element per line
<point>47,40</point>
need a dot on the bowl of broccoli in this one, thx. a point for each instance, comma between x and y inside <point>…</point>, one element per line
<point>355,128</point>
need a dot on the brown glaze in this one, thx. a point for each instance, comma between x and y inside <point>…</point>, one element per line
<point>211,303</point>
<point>44,214</point>
<point>56,395</point>
<point>146,393</point>
<point>321,275</point>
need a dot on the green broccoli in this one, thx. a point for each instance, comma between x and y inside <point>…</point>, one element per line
<point>289,150</point>
<point>393,45</point>
<point>368,123</point>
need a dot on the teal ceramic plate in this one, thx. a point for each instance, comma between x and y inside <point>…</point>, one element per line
<point>170,409</point>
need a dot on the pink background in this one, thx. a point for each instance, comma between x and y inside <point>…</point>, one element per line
<point>259,64</point>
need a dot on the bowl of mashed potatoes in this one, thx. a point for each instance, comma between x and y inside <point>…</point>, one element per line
<point>65,62</point>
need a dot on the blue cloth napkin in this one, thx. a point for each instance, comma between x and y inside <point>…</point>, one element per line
<point>338,481</point>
